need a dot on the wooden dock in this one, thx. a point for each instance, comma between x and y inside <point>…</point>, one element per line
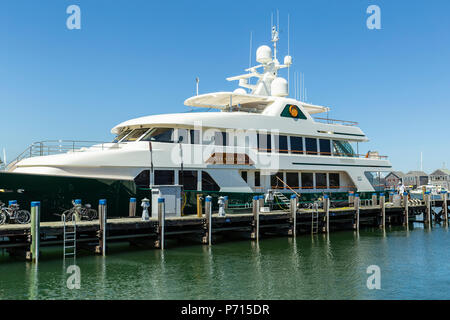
<point>17,239</point>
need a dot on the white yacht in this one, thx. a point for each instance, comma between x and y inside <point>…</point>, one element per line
<point>239,143</point>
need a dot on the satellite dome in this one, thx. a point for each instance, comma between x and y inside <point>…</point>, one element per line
<point>279,87</point>
<point>264,54</point>
<point>240,91</point>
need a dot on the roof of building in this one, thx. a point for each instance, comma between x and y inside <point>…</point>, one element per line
<point>441,172</point>
<point>398,174</point>
<point>416,173</point>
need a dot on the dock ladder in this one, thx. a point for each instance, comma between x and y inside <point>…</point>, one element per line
<point>69,237</point>
<point>315,218</point>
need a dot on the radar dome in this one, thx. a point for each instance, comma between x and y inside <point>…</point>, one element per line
<point>279,87</point>
<point>264,54</point>
<point>240,91</point>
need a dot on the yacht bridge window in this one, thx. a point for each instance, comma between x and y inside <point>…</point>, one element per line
<point>135,135</point>
<point>159,135</point>
<point>121,136</point>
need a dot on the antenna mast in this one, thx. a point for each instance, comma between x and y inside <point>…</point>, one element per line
<point>197,80</point>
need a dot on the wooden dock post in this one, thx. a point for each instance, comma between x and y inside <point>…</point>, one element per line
<point>161,222</point>
<point>261,202</point>
<point>101,234</point>
<point>225,198</point>
<point>351,198</point>
<point>255,223</point>
<point>293,231</point>
<point>391,196</point>
<point>199,205</point>
<point>357,205</point>
<point>326,207</point>
<point>383,211</point>
<point>428,207</point>
<point>445,206</point>
<point>406,209</point>
<point>33,254</point>
<point>374,199</point>
<point>208,221</point>
<point>132,207</point>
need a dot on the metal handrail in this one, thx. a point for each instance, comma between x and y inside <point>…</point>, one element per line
<point>50,147</point>
<point>335,121</point>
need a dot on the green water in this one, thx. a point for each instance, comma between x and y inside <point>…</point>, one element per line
<point>414,264</point>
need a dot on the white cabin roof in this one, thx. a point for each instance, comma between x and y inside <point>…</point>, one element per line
<point>223,100</point>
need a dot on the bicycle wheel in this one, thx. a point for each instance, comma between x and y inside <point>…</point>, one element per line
<point>92,214</point>
<point>23,217</point>
<point>68,214</point>
<point>2,217</point>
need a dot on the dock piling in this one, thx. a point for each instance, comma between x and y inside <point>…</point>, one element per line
<point>33,254</point>
<point>293,215</point>
<point>208,220</point>
<point>383,211</point>
<point>406,209</point>
<point>255,223</point>
<point>374,199</point>
<point>445,207</point>
<point>351,198</point>
<point>326,207</point>
<point>161,222</point>
<point>428,207</point>
<point>357,206</point>
<point>101,248</point>
<point>132,207</point>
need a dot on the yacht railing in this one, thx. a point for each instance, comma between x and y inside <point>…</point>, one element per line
<point>50,147</point>
<point>335,121</point>
<point>368,155</point>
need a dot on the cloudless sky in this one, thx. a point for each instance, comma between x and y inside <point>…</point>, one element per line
<point>133,58</point>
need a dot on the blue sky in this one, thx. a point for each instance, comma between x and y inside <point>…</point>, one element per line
<point>134,58</point>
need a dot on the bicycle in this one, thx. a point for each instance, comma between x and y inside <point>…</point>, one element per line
<point>12,213</point>
<point>84,212</point>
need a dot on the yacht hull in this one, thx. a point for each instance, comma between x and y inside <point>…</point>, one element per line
<point>57,192</point>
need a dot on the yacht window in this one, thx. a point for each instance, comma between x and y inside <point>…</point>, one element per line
<point>296,144</point>
<point>143,179</point>
<point>244,175</point>
<point>195,136</point>
<point>275,183</point>
<point>264,142</point>
<point>159,135</point>
<point>334,180</point>
<point>292,180</point>
<point>257,179</point>
<point>183,135</point>
<point>343,148</point>
<point>311,145</point>
<point>220,138</point>
<point>321,180</point>
<point>164,177</point>
<point>281,145</point>
<point>307,180</point>
<point>188,179</point>
<point>135,135</point>
<point>121,136</point>
<point>208,183</point>
<point>325,148</point>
